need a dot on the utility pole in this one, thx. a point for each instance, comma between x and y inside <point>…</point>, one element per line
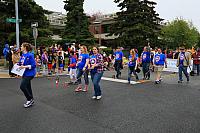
<point>17,22</point>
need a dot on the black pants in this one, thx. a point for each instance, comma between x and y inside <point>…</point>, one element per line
<point>118,66</point>
<point>10,68</point>
<point>26,87</point>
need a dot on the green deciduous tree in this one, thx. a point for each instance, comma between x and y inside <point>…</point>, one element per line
<point>77,25</point>
<point>137,23</point>
<point>179,32</point>
<point>29,11</point>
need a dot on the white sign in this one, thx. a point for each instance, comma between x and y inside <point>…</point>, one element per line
<point>171,66</point>
<point>17,70</point>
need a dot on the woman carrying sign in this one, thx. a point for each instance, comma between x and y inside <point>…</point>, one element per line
<point>27,61</point>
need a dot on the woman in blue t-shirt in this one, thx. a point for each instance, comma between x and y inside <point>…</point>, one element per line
<point>27,61</point>
<point>132,65</point>
<point>82,69</point>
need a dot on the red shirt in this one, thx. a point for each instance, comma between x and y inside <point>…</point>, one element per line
<point>196,58</point>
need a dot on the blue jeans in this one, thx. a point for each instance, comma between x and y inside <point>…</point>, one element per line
<point>197,67</point>
<point>184,70</point>
<point>80,73</point>
<point>131,69</point>
<point>96,77</point>
<point>145,69</point>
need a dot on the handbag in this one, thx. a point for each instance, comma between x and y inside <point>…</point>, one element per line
<point>137,70</point>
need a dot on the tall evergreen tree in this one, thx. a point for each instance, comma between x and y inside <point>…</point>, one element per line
<point>77,25</point>
<point>137,23</point>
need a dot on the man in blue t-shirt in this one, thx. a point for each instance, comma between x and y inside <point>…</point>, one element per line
<point>159,62</point>
<point>146,59</point>
<point>118,65</point>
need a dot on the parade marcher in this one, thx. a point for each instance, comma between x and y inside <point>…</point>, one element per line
<point>132,65</point>
<point>118,65</point>
<point>96,71</point>
<point>183,62</point>
<point>27,61</point>
<point>159,62</point>
<point>146,59</point>
<point>196,60</point>
<point>72,66</point>
<point>82,69</point>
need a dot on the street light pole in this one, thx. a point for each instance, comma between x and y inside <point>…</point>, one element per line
<point>100,33</point>
<point>17,23</point>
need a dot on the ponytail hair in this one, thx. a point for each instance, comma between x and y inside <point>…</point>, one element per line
<point>132,53</point>
<point>85,48</point>
<point>27,46</point>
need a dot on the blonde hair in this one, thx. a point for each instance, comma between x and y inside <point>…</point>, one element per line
<point>132,51</point>
<point>85,49</point>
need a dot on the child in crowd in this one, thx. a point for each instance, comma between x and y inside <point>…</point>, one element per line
<point>38,64</point>
<point>54,62</point>
<point>72,66</point>
<point>60,63</point>
<point>50,61</point>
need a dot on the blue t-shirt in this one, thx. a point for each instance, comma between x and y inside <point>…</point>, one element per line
<point>28,59</point>
<point>131,62</point>
<point>73,61</point>
<point>136,55</point>
<point>146,57</point>
<point>82,60</point>
<point>181,58</point>
<point>159,59</point>
<point>93,60</point>
<point>118,55</point>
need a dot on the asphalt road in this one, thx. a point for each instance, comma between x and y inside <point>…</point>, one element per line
<point>142,108</point>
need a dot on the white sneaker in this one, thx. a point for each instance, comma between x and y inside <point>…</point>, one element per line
<point>28,103</point>
<point>98,97</point>
<point>94,97</point>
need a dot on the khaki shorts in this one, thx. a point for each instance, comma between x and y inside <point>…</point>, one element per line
<point>158,68</point>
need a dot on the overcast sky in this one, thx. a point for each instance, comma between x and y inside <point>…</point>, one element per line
<point>168,9</point>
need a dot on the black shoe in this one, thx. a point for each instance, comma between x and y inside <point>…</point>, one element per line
<point>180,81</point>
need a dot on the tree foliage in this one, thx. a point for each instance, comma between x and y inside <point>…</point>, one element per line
<point>29,12</point>
<point>137,23</point>
<point>179,32</point>
<point>77,25</point>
